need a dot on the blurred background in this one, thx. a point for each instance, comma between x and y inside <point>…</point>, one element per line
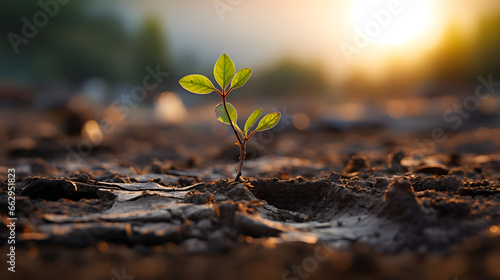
<point>75,74</point>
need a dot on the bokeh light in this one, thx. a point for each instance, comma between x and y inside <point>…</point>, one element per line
<point>170,109</point>
<point>301,121</point>
<point>396,109</point>
<point>92,132</point>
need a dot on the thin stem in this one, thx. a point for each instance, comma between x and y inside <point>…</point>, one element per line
<point>251,134</point>
<point>230,121</point>
<point>218,92</point>
<point>241,143</point>
<point>242,159</point>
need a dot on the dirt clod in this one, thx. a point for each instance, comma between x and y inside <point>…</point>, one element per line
<point>355,164</point>
<point>399,202</point>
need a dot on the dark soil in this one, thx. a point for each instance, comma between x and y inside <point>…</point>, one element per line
<point>302,213</point>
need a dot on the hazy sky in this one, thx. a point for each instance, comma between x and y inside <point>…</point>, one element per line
<point>257,32</point>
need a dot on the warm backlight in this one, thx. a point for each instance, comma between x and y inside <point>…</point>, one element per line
<point>392,22</point>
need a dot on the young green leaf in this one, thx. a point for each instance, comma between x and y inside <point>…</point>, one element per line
<point>221,115</point>
<point>253,119</point>
<point>268,122</point>
<point>224,70</point>
<point>198,84</point>
<point>241,77</point>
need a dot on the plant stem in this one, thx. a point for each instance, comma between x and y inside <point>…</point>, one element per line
<point>230,121</point>
<point>242,159</point>
<point>242,144</point>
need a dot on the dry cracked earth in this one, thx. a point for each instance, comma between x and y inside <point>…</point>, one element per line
<point>334,210</point>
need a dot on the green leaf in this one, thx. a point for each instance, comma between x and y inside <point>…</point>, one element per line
<point>224,70</point>
<point>241,77</point>
<point>198,84</point>
<point>252,119</point>
<point>268,122</point>
<point>221,114</point>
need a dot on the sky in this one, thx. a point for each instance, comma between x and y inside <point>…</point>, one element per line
<point>257,32</point>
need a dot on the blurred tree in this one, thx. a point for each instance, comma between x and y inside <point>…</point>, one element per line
<point>290,77</point>
<point>451,60</point>
<point>11,13</point>
<point>76,44</point>
<point>151,51</point>
<point>151,47</point>
<point>487,47</point>
<point>89,47</point>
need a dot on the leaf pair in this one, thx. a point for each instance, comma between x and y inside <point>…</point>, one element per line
<point>224,75</point>
<point>267,122</point>
<point>226,113</point>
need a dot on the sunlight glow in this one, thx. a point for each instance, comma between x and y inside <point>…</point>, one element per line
<point>392,22</point>
<point>170,108</point>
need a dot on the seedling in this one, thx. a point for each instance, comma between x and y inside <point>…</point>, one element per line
<point>225,112</point>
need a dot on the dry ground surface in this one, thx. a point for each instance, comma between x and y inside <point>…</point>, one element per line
<point>155,202</point>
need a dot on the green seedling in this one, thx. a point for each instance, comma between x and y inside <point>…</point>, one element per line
<point>224,73</point>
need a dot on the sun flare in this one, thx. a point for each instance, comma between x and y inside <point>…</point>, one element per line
<point>392,22</point>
